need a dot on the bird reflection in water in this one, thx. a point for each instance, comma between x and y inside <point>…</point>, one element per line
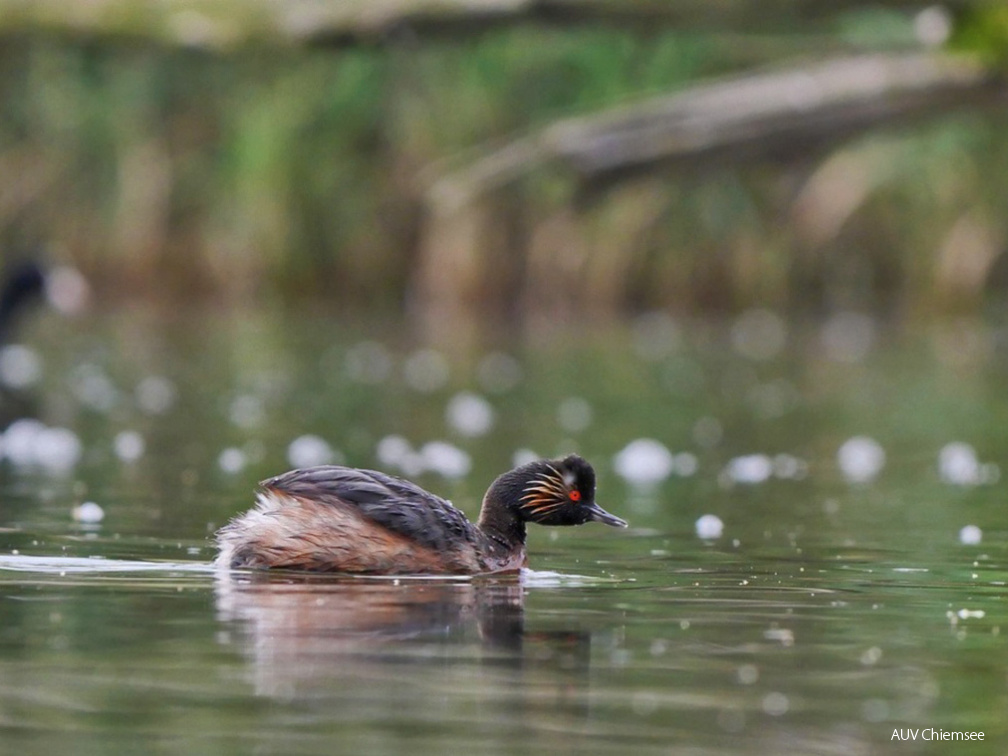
<point>306,636</point>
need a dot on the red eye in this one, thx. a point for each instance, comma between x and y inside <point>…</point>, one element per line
<point>575,496</point>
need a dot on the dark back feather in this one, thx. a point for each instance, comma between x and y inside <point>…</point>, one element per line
<point>392,503</point>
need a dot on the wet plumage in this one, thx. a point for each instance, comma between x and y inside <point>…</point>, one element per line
<point>342,519</point>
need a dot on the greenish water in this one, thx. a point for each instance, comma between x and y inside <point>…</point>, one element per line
<point>842,600</point>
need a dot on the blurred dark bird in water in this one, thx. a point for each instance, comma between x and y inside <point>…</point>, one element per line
<point>340,519</point>
<point>23,284</point>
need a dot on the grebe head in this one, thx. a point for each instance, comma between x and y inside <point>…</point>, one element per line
<point>553,492</point>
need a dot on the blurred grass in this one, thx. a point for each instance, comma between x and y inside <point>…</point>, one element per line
<point>281,174</point>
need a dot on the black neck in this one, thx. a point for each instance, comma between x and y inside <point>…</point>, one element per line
<point>504,530</point>
<point>500,520</point>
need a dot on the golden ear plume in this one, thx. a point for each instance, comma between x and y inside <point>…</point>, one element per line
<point>545,493</point>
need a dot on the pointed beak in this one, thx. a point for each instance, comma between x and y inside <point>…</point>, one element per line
<point>596,513</point>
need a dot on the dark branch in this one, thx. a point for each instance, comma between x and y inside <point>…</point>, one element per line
<point>778,115</point>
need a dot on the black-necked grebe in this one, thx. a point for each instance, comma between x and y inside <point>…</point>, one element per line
<point>340,519</point>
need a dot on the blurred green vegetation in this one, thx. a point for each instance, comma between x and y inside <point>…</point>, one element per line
<point>275,173</point>
<point>982,29</point>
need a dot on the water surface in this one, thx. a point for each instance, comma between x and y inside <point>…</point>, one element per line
<point>842,599</point>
